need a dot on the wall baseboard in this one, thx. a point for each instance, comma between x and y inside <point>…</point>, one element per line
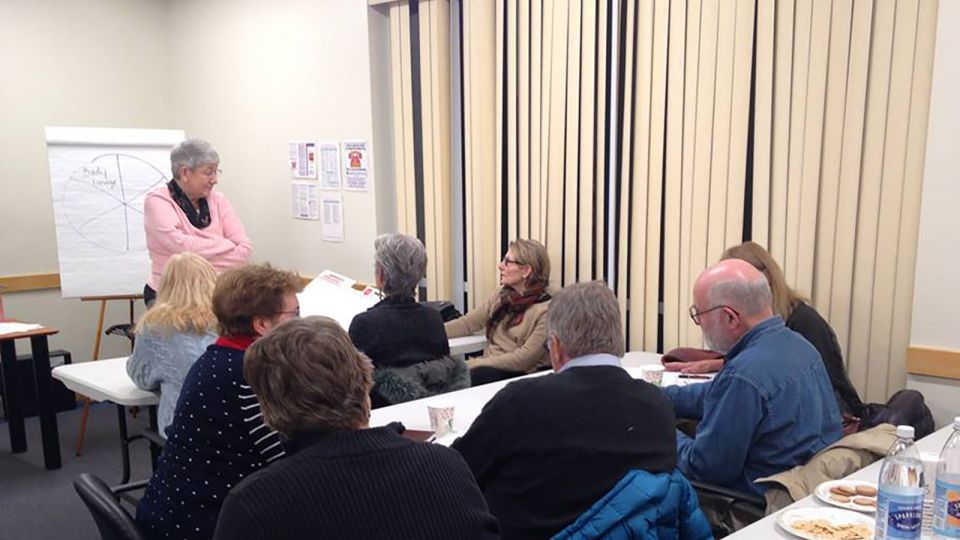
<point>42,282</point>
<point>29,282</point>
<point>933,362</point>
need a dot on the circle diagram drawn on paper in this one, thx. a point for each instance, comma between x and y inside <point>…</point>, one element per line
<point>103,200</point>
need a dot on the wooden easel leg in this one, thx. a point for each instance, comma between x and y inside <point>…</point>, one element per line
<point>86,401</point>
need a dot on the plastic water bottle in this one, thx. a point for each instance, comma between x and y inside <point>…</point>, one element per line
<point>900,501</point>
<point>946,505</point>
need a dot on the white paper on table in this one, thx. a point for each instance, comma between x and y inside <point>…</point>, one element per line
<point>329,165</point>
<point>332,205</point>
<point>305,200</point>
<point>303,159</point>
<point>356,160</point>
<point>16,328</point>
<point>336,296</point>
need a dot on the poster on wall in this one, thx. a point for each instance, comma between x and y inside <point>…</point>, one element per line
<point>99,179</point>
<point>305,200</point>
<point>332,205</point>
<point>303,159</point>
<point>329,165</point>
<point>356,158</point>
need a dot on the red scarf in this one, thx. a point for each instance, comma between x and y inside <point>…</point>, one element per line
<point>240,343</point>
<point>513,305</point>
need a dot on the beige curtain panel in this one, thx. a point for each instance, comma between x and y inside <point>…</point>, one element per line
<point>422,167</point>
<point>800,124</point>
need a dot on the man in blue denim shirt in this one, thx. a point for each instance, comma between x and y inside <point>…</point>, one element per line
<point>771,407</point>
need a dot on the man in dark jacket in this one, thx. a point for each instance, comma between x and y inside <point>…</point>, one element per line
<point>545,449</point>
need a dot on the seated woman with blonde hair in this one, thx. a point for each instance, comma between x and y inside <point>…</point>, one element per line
<point>175,331</point>
<point>513,317</point>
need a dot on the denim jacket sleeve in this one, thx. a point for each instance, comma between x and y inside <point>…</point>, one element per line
<point>145,365</point>
<point>732,409</point>
<point>688,400</point>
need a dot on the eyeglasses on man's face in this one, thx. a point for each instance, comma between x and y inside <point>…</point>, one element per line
<point>696,315</point>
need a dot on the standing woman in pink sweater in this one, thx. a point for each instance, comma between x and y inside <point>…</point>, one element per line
<point>186,214</point>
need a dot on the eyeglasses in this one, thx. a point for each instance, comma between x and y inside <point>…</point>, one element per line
<point>295,312</point>
<point>507,260</point>
<point>211,173</point>
<point>695,315</point>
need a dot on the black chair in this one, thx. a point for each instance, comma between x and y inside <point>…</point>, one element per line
<point>113,521</point>
<point>728,510</point>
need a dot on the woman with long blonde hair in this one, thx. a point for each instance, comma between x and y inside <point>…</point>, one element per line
<point>799,316</point>
<point>175,331</point>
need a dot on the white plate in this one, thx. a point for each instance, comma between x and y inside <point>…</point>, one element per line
<point>834,516</point>
<point>823,493</point>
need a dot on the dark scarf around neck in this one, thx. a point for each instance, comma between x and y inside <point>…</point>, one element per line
<point>513,305</point>
<point>199,219</point>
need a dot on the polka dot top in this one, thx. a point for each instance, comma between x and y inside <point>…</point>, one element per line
<point>217,438</point>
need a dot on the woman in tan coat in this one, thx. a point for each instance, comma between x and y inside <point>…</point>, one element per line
<point>513,317</point>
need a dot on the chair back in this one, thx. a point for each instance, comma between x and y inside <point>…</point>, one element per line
<point>113,521</point>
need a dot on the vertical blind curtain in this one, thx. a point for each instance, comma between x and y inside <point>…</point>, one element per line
<point>422,132</point>
<point>551,130</point>
<point>686,69</point>
<point>839,102</point>
<point>481,20</point>
<point>534,135</point>
<point>842,102</point>
<point>798,124</point>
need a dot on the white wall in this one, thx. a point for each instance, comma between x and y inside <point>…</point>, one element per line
<point>249,76</point>
<point>936,298</point>
<point>98,64</point>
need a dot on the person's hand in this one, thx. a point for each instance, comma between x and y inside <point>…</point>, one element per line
<point>674,366</point>
<point>700,366</point>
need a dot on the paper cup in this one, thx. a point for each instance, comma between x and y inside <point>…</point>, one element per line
<point>653,374</point>
<point>441,418</point>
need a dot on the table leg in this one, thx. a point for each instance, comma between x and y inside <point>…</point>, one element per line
<point>12,402</point>
<point>154,449</point>
<point>124,443</point>
<point>48,417</point>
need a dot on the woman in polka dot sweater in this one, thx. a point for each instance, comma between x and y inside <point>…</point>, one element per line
<point>218,437</point>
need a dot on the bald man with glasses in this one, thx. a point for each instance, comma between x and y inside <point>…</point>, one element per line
<point>771,407</point>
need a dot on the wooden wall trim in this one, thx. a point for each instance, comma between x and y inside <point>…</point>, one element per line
<point>933,362</point>
<point>42,282</point>
<point>29,282</point>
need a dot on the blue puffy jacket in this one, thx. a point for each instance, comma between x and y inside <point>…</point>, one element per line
<point>644,506</point>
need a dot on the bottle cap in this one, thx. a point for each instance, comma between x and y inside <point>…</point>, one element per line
<point>905,432</point>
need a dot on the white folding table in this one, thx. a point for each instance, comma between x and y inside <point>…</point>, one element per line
<point>107,380</point>
<point>767,528</point>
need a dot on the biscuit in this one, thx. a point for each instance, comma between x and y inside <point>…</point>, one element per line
<point>839,498</point>
<point>864,501</point>
<point>867,491</point>
<point>841,489</point>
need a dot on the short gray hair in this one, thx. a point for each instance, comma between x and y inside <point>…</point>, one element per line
<point>402,261</point>
<point>750,298</point>
<point>585,317</point>
<point>191,154</point>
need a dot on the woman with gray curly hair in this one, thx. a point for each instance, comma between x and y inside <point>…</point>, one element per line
<point>405,340</point>
<point>186,214</point>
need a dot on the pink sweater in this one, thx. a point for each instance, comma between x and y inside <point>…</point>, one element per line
<point>224,242</point>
